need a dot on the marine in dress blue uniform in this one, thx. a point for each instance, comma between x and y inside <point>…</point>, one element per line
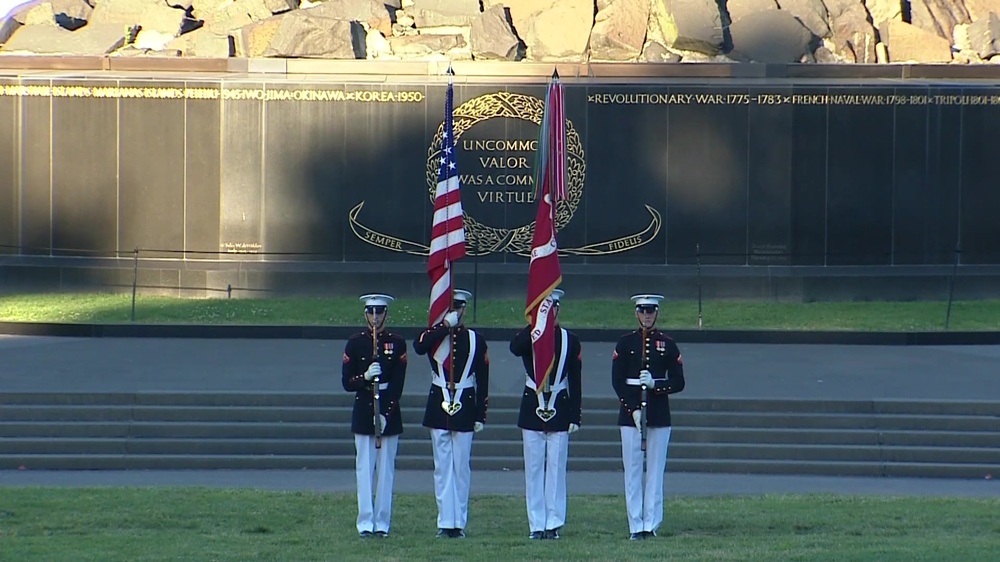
<point>546,420</point>
<point>456,409</point>
<point>645,359</point>
<point>375,361</point>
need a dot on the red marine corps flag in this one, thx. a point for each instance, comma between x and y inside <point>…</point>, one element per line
<point>544,273</point>
<point>447,230</point>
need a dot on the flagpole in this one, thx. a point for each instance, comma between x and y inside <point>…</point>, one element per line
<point>447,235</point>
<point>450,109</point>
<point>544,273</point>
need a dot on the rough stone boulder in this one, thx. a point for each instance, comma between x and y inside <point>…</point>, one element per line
<point>70,14</point>
<point>771,36</point>
<point>520,11</point>
<point>153,15</point>
<point>436,13</point>
<point>203,42</point>
<point>223,16</point>
<point>906,42</point>
<point>8,28</point>
<point>884,10</point>
<point>984,36</point>
<point>853,37</point>
<point>981,9</point>
<point>150,40</point>
<point>302,34</point>
<point>377,46</point>
<point>739,9</point>
<point>491,37</point>
<point>619,31</point>
<point>938,16</point>
<point>657,52</point>
<point>371,13</point>
<point>91,40</point>
<point>812,14</point>
<point>421,46</point>
<point>560,32</point>
<point>688,25</point>
<point>279,6</point>
<point>132,51</point>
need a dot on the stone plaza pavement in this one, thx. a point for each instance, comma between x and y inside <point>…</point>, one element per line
<point>813,372</point>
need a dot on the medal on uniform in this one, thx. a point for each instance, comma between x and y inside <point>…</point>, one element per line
<point>451,408</point>
<point>545,414</point>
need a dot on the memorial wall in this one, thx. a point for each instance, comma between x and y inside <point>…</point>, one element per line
<point>744,173</point>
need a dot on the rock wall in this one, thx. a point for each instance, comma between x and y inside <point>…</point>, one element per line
<point>768,31</point>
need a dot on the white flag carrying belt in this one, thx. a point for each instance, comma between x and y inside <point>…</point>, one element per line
<point>547,410</point>
<point>450,404</point>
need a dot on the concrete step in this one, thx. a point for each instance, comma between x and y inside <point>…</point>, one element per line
<point>341,430</point>
<point>496,448</point>
<point>480,462</point>
<point>284,430</point>
<point>783,420</point>
<point>417,400</point>
<point>497,417</point>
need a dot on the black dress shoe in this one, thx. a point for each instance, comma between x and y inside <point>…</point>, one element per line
<point>457,534</point>
<point>365,534</point>
<point>649,534</point>
<point>443,533</point>
<point>537,536</point>
<point>636,537</point>
<point>381,534</point>
<point>552,534</point>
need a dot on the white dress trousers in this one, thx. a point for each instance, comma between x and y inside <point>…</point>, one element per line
<point>545,478</point>
<point>644,496</point>
<point>375,470</point>
<point>452,476</point>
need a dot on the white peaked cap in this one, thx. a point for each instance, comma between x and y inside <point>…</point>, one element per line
<point>557,294</point>
<point>377,299</point>
<point>646,300</point>
<point>462,295</point>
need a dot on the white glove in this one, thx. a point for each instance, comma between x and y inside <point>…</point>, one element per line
<point>451,319</point>
<point>477,427</point>
<point>637,417</point>
<point>573,428</point>
<point>646,378</point>
<point>374,370</point>
<point>382,421</point>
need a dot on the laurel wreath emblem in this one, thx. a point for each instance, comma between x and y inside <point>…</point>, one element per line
<point>487,239</point>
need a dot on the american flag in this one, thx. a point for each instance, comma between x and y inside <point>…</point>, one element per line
<point>448,229</point>
<point>544,272</point>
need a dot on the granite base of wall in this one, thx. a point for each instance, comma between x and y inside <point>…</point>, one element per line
<point>222,279</point>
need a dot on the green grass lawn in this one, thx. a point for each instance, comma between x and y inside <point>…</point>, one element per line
<point>181,524</point>
<point>333,311</point>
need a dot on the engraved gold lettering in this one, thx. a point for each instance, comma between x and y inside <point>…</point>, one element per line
<point>625,243</point>
<point>241,247</point>
<point>509,162</point>
<point>384,241</point>
<point>259,94</point>
<point>514,179</point>
<point>506,196</point>
<point>779,98</point>
<point>500,145</point>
